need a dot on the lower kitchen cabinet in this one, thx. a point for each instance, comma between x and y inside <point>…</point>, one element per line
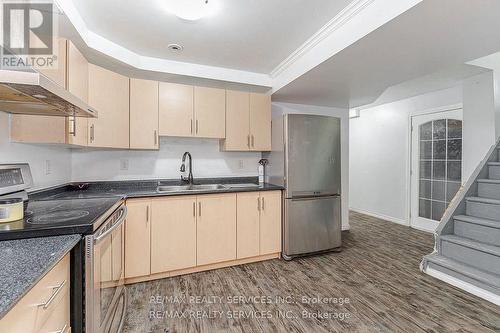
<point>270,222</point>
<point>53,292</point>
<point>258,224</point>
<point>173,233</point>
<point>216,228</point>
<point>138,238</point>
<point>248,224</point>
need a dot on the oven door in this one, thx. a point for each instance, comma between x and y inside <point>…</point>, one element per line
<point>106,285</point>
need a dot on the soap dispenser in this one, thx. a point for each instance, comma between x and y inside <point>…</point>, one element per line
<point>262,170</point>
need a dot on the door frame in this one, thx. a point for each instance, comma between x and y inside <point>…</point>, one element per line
<point>452,107</point>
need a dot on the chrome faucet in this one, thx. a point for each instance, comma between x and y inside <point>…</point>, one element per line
<point>189,179</point>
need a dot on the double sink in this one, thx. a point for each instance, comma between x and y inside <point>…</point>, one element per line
<point>202,187</point>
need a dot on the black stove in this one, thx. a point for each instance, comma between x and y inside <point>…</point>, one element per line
<point>60,217</point>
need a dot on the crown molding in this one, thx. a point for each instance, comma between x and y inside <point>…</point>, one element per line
<point>348,13</point>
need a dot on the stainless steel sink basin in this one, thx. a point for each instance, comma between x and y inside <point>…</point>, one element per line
<point>183,188</point>
<point>170,188</point>
<point>242,185</point>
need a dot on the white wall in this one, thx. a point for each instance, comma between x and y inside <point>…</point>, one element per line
<point>479,120</point>
<point>37,156</point>
<point>379,156</point>
<point>343,114</point>
<point>208,161</point>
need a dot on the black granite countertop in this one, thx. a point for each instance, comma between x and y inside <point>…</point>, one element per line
<point>148,188</point>
<point>24,262</point>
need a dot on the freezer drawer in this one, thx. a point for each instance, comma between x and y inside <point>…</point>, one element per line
<point>311,225</point>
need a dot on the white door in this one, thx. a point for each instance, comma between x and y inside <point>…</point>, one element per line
<point>436,166</point>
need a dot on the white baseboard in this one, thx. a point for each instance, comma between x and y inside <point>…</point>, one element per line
<point>470,288</point>
<point>381,216</point>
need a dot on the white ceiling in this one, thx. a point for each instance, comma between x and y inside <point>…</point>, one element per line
<point>434,36</point>
<point>250,35</point>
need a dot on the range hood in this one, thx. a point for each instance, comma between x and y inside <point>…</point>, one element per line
<point>29,92</point>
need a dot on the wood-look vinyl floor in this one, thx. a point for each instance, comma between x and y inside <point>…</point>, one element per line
<point>376,276</point>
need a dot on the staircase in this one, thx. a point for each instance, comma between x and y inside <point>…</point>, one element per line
<point>467,241</point>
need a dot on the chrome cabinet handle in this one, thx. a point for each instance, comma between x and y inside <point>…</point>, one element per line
<point>194,209</point>
<point>258,204</point>
<point>253,141</point>
<point>263,204</point>
<point>147,214</point>
<point>248,140</point>
<point>123,215</point>
<point>156,137</point>
<point>72,120</point>
<point>196,126</point>
<point>62,330</point>
<point>199,208</point>
<point>92,133</point>
<point>191,126</point>
<point>57,290</point>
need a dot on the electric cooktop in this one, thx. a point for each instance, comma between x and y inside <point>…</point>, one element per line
<point>60,217</point>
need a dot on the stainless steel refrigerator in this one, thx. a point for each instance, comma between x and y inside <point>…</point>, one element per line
<point>306,160</point>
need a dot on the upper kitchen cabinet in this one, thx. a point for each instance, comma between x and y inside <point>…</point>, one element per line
<point>188,111</point>
<point>248,122</point>
<point>176,109</point>
<point>143,114</point>
<point>108,93</point>
<point>260,122</point>
<point>77,79</point>
<point>72,73</point>
<point>210,112</point>
<point>58,75</point>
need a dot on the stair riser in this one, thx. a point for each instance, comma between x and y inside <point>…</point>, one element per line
<point>488,190</point>
<point>478,232</point>
<point>494,172</point>
<point>484,210</point>
<point>472,257</point>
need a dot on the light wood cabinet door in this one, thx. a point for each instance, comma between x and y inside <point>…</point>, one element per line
<point>247,224</point>
<point>210,112</point>
<point>237,121</point>
<point>38,129</point>
<point>58,75</point>
<point>173,234</point>
<point>78,84</point>
<point>138,238</point>
<point>176,109</point>
<point>216,228</point>
<point>270,222</point>
<point>109,95</point>
<point>260,122</point>
<point>143,114</point>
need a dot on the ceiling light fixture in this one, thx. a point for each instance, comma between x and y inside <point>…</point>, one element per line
<point>192,10</point>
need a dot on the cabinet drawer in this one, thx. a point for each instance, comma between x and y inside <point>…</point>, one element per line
<point>37,306</point>
<point>59,320</point>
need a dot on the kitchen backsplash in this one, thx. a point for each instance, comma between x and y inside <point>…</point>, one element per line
<point>55,164</point>
<point>208,161</point>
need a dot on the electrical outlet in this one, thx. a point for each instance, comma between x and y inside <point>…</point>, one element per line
<point>48,167</point>
<point>124,164</point>
<point>240,164</point>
